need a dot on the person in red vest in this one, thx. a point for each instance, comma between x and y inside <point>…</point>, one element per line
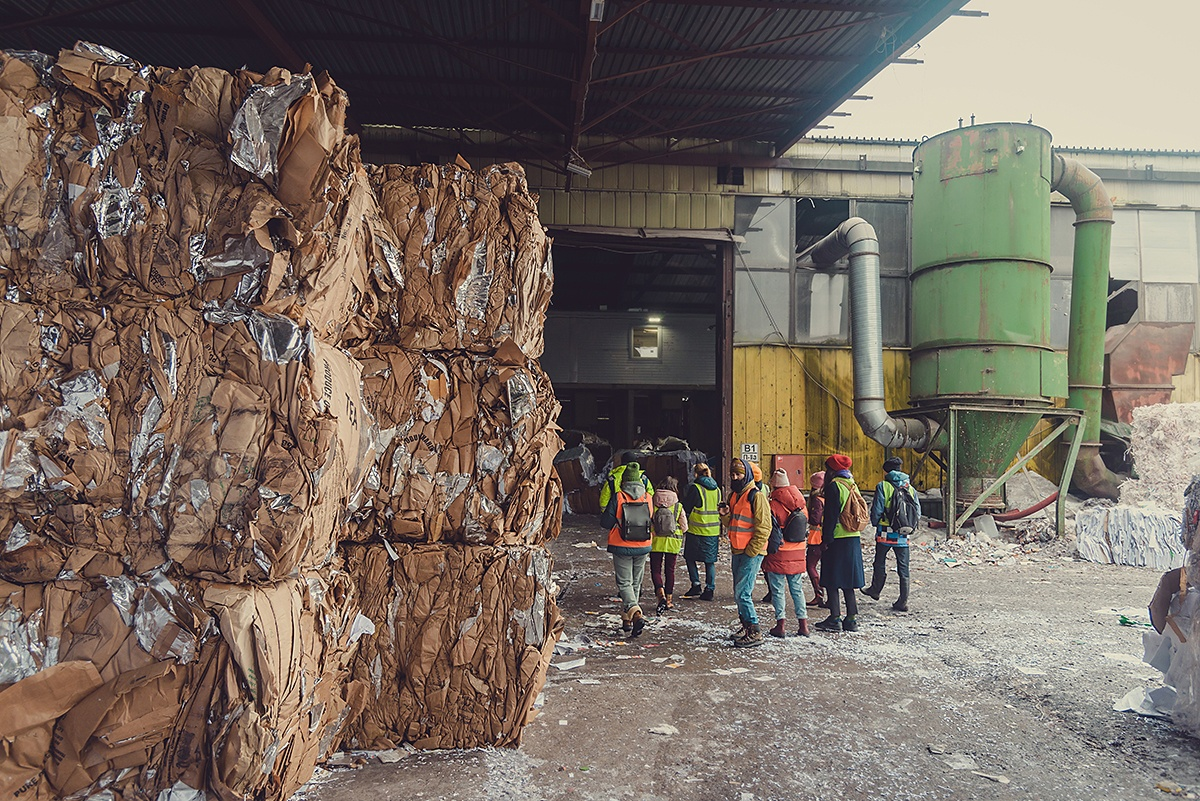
<point>629,544</point>
<point>747,518</point>
<point>785,567</point>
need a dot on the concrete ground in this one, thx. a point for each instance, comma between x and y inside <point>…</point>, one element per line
<point>999,684</point>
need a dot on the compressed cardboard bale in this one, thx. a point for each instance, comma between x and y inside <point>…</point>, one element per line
<point>476,261</point>
<point>282,699</point>
<point>136,686</point>
<point>576,469</point>
<point>149,183</point>
<point>463,638</point>
<point>60,459</point>
<point>467,445</point>
<point>93,677</point>
<point>229,442</point>
<point>243,456</point>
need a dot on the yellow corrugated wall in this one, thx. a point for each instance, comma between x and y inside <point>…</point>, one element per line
<point>799,400</point>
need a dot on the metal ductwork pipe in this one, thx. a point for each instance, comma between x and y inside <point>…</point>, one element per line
<point>857,238</point>
<point>1089,307</point>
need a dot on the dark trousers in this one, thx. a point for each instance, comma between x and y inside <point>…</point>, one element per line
<point>657,562</point>
<point>813,555</point>
<point>879,572</point>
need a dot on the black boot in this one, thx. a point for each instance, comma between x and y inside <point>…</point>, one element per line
<point>901,604</point>
<point>694,592</point>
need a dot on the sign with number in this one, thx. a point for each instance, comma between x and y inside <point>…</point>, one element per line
<point>750,451</point>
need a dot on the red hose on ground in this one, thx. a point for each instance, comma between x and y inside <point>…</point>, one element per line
<point>1005,517</point>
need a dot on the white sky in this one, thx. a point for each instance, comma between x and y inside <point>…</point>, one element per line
<point>1095,73</point>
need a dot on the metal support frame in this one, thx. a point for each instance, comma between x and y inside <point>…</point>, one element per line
<point>946,418</point>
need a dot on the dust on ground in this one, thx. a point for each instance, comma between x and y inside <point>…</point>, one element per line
<point>998,684</point>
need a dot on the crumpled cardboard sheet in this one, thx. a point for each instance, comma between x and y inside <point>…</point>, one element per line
<point>466,450</point>
<point>135,686</point>
<point>476,260</point>
<point>163,436</point>
<point>463,638</point>
<point>145,183</point>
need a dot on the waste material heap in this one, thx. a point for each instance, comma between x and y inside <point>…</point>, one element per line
<point>215,418</point>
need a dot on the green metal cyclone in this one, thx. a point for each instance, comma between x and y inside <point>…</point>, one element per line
<point>981,288</point>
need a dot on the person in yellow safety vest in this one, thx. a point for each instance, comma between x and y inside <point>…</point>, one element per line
<point>617,475</point>
<point>841,557</point>
<point>747,518</point>
<point>630,553</point>
<point>886,537</point>
<point>702,542</point>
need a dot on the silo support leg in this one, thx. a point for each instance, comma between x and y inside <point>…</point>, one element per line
<point>1060,509</point>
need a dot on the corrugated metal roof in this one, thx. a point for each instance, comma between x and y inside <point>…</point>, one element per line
<point>712,69</point>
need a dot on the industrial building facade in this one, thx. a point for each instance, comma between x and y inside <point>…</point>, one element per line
<point>700,237</point>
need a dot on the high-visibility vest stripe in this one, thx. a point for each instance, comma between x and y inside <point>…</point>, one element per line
<point>741,523</point>
<point>704,521</point>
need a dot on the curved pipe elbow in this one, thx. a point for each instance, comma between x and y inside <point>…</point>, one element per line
<point>1083,188</point>
<point>888,431</point>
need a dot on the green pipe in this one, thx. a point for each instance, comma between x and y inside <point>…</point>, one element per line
<point>1089,307</point>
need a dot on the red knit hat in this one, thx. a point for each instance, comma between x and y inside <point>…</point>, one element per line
<point>839,461</point>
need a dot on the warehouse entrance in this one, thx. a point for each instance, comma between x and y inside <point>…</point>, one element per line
<point>634,339</point>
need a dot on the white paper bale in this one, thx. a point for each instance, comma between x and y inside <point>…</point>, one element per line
<point>1166,454</point>
<point>1127,535</point>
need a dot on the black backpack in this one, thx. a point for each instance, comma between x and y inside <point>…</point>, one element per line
<point>776,538</point>
<point>796,527</point>
<point>635,521</point>
<point>901,512</point>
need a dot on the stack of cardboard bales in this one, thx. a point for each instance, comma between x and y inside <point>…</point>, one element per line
<point>180,436</point>
<point>448,543</point>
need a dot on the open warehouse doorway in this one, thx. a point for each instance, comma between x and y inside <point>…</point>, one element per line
<point>635,338</point>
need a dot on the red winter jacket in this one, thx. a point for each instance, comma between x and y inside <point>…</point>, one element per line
<point>790,559</point>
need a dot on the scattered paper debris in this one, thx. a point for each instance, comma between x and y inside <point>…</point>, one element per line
<point>665,729</point>
<point>571,664</point>
<point>996,777</point>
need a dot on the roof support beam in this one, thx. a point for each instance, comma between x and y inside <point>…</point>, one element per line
<point>745,48</point>
<point>62,16</point>
<point>798,5</point>
<point>579,90</point>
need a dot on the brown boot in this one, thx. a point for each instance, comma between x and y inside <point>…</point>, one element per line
<point>662,601</point>
<point>778,630</point>
<point>670,605</point>
<point>803,630</point>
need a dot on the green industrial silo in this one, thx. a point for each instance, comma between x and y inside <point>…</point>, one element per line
<point>981,291</point>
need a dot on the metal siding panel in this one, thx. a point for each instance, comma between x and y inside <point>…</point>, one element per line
<point>654,215</point>
<point>683,212</point>
<point>684,178</point>
<point>641,177</point>
<point>591,207</point>
<point>637,211</point>
<point>689,349</point>
<point>608,208</point>
<point>622,203</point>
<point>667,210</point>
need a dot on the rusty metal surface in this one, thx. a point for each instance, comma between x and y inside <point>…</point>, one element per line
<point>1140,359</point>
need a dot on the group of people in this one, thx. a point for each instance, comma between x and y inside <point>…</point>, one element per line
<point>777,531</point>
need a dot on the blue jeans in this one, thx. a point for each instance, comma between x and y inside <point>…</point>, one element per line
<point>745,571</point>
<point>779,583</point>
<point>710,574</point>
